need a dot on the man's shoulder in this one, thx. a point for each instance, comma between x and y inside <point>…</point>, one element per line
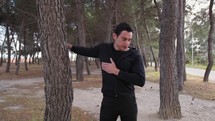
<point>134,51</point>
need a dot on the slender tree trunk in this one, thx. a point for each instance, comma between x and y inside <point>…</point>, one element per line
<point>56,65</point>
<point>19,58</point>
<point>25,51</point>
<point>147,33</point>
<point>180,56</point>
<point>97,63</point>
<point>2,52</point>
<point>19,48</point>
<point>142,53</point>
<point>8,48</point>
<point>210,43</point>
<point>87,65</point>
<point>110,13</point>
<point>169,96</point>
<point>16,52</point>
<point>81,39</point>
<point>152,52</point>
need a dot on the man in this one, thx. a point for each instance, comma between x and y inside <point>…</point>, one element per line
<point>122,68</point>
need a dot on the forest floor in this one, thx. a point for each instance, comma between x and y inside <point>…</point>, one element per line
<point>22,97</point>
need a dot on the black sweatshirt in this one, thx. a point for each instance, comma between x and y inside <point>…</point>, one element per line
<point>128,62</point>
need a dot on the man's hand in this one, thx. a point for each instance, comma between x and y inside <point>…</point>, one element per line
<point>110,67</point>
<point>69,46</point>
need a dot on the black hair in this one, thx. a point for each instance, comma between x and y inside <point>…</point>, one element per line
<point>122,27</point>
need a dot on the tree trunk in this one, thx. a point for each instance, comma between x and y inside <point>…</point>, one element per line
<point>25,51</point>
<point>8,49</point>
<point>169,97</point>
<point>97,62</point>
<point>81,39</point>
<point>2,52</point>
<point>180,56</point>
<point>142,53</point>
<point>56,65</point>
<point>87,65</point>
<point>210,43</point>
<point>19,52</point>
<point>110,13</point>
<point>152,52</point>
<point>19,58</point>
<point>79,68</point>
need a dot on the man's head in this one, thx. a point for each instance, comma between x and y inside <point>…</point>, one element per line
<point>122,27</point>
<point>122,36</point>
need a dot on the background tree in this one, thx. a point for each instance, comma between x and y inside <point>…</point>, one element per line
<point>210,42</point>
<point>169,101</point>
<point>81,38</point>
<point>180,53</point>
<point>7,20</point>
<point>57,71</point>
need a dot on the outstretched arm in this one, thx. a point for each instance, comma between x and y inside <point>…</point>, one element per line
<point>90,52</point>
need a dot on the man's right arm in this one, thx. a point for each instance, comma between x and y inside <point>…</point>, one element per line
<point>90,52</point>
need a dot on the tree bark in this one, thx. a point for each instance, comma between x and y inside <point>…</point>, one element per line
<point>152,52</point>
<point>81,39</point>
<point>87,65</point>
<point>25,51</point>
<point>210,43</point>
<point>2,52</point>
<point>19,58</point>
<point>169,97</point>
<point>180,56</point>
<point>56,65</point>
<point>110,13</point>
<point>8,48</point>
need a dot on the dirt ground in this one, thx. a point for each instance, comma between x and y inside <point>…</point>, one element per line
<point>22,96</point>
<point>89,99</point>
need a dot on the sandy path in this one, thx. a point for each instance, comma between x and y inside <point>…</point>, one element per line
<point>148,104</point>
<point>147,99</point>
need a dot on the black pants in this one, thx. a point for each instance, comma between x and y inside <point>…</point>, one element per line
<point>112,107</point>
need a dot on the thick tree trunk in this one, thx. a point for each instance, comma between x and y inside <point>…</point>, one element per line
<point>56,65</point>
<point>210,43</point>
<point>169,97</point>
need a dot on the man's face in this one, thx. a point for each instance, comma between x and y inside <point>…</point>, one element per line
<point>122,42</point>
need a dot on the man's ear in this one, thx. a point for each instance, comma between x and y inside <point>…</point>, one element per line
<point>114,36</point>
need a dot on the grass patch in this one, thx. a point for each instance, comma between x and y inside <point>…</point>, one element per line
<point>199,66</point>
<point>194,85</point>
<point>29,109</point>
<point>21,109</point>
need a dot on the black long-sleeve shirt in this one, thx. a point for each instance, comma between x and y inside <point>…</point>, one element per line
<point>128,62</point>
